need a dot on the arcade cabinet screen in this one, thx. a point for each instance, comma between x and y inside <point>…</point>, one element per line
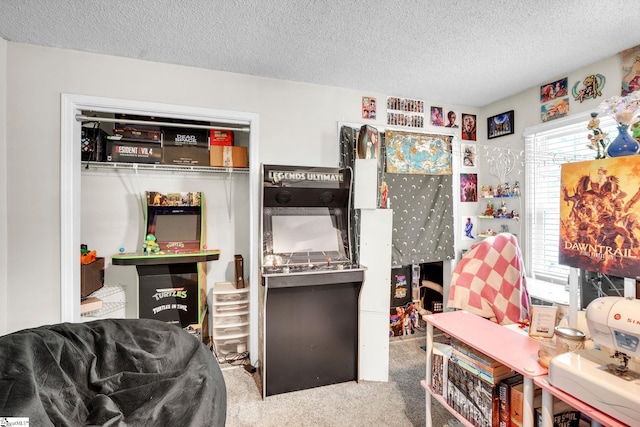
<point>307,233</point>
<point>177,228</point>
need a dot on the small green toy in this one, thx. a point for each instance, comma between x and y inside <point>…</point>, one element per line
<point>150,245</point>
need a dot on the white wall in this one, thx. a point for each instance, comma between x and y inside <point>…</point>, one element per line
<point>298,125</point>
<point>3,187</point>
<point>526,106</point>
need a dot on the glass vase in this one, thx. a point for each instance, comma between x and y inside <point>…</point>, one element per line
<point>624,144</point>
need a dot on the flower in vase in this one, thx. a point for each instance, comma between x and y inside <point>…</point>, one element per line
<point>622,108</point>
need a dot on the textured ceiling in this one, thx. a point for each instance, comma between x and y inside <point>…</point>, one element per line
<point>464,52</point>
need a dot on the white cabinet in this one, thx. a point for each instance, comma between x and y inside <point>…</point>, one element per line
<point>230,321</point>
<point>375,255</point>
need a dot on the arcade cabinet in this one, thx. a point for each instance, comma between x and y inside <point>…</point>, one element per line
<point>171,268</point>
<point>310,287</point>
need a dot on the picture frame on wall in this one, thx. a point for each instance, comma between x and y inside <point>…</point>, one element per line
<point>500,125</point>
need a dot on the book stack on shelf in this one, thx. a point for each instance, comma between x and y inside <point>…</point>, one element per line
<point>439,371</point>
<point>472,384</point>
<point>481,365</point>
<point>511,406</point>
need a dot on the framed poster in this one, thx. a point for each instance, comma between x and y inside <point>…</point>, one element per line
<point>500,125</point>
<point>599,216</point>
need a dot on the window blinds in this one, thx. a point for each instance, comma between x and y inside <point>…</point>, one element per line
<point>545,152</point>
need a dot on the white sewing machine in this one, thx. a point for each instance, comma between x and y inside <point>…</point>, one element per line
<point>591,375</point>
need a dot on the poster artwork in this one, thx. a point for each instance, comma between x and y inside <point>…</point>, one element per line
<point>368,108</point>
<point>418,153</point>
<point>600,216</point>
<point>468,187</point>
<point>630,65</point>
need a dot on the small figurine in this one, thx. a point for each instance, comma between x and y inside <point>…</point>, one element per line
<point>150,245</point>
<point>385,193</point>
<point>516,189</point>
<point>599,140</point>
<point>489,211</point>
<point>507,190</point>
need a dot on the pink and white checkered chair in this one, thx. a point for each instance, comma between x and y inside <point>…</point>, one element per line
<point>489,281</point>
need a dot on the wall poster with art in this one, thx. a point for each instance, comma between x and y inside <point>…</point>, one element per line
<point>630,64</point>
<point>418,153</point>
<point>468,187</point>
<point>469,155</point>
<point>405,112</point>
<point>600,216</point>
<point>468,227</point>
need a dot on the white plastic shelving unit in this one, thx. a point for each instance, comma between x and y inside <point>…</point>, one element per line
<point>230,319</point>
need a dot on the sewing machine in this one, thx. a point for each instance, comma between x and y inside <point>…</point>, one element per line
<point>591,375</point>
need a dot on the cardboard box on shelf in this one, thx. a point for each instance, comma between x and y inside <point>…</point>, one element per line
<point>221,137</point>
<point>228,156</point>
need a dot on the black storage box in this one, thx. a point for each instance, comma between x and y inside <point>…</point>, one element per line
<point>185,155</point>
<point>184,137</point>
<point>91,277</point>
<point>126,151</point>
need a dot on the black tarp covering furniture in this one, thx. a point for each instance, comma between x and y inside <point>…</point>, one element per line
<point>114,372</point>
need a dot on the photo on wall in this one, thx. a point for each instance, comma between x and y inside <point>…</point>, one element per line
<point>469,228</point>
<point>630,70</point>
<point>554,90</point>
<point>468,127</point>
<point>500,125</point>
<point>405,112</point>
<point>451,119</point>
<point>436,116</point>
<point>468,187</point>
<point>469,155</point>
<point>369,108</point>
<point>554,110</point>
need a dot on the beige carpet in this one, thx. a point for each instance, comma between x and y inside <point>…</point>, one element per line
<point>397,403</point>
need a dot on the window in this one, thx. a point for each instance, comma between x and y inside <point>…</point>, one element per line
<point>547,147</point>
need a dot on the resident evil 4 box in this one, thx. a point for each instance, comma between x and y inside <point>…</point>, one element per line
<point>122,150</point>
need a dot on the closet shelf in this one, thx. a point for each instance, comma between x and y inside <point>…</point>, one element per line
<point>88,166</point>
